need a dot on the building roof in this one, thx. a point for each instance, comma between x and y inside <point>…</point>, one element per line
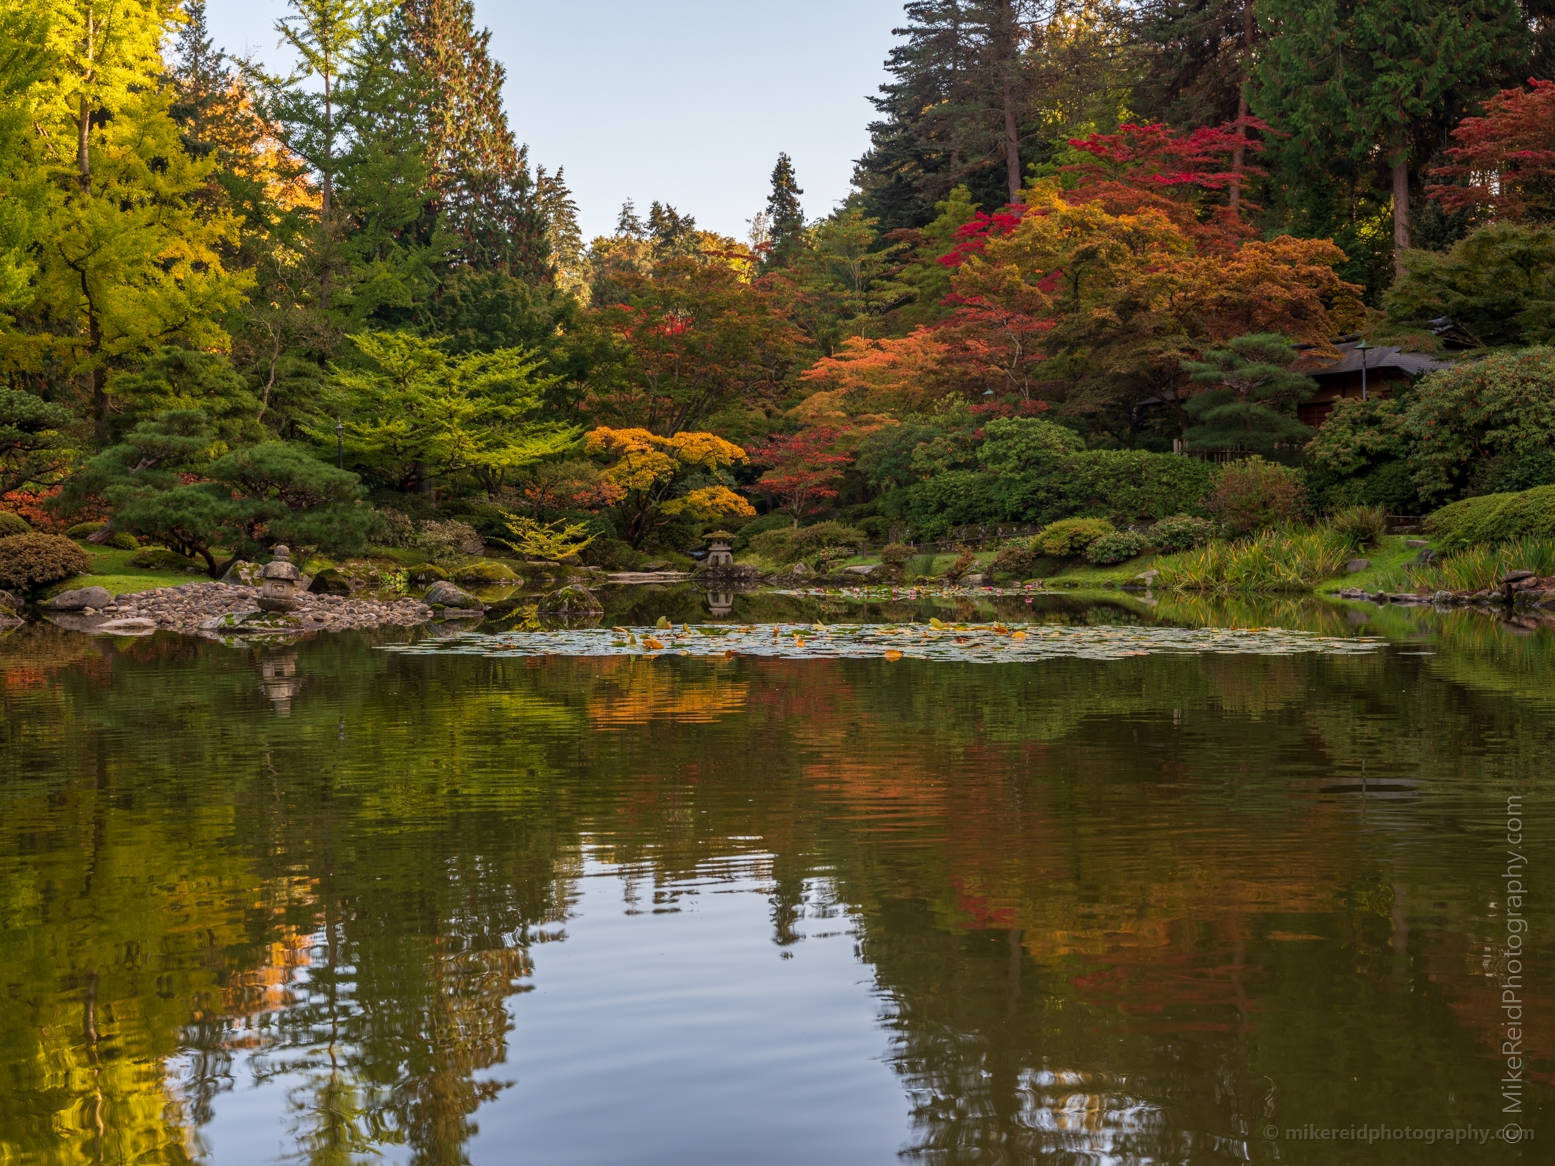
<point>1382,356</point>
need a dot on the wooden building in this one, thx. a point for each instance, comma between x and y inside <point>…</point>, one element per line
<point>1385,369</point>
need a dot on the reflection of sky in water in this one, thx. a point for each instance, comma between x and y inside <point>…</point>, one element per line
<point>663,1025</point>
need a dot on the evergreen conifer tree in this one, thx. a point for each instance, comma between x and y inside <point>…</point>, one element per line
<point>1252,398</point>
<point>1378,82</point>
<point>482,178</point>
<point>785,217</point>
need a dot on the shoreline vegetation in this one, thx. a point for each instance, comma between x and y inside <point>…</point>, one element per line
<point>236,314</point>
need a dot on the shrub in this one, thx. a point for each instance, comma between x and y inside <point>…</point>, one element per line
<point>1360,526</point>
<point>963,565</point>
<point>122,540</point>
<point>777,520</point>
<point>1477,421</point>
<point>162,559</point>
<point>1182,532</point>
<point>83,530</point>
<point>30,562</point>
<point>399,529</point>
<point>1495,518</point>
<point>426,573</point>
<point>1068,537</point>
<point>1015,559</point>
<point>1254,494</point>
<point>895,554</point>
<point>786,547</point>
<point>13,524</point>
<point>448,541</point>
<point>1117,547</point>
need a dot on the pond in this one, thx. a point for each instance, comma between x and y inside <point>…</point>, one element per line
<point>1176,888</point>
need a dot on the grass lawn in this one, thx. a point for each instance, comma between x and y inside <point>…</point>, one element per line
<point>111,569</point>
<point>1386,572</point>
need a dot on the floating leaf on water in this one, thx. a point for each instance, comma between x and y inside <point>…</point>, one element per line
<point>936,623</point>
<point>664,624</point>
<point>1017,635</point>
<point>892,654</point>
<point>652,644</point>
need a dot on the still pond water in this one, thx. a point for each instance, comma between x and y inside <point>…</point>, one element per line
<point>335,903</point>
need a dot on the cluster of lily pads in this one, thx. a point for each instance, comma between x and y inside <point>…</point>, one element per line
<point>935,640</point>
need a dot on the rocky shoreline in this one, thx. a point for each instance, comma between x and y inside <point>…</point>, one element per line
<point>1515,588</point>
<point>223,609</point>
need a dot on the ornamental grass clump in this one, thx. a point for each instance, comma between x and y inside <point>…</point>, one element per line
<point>1481,568</point>
<point>1360,526</point>
<point>31,562</point>
<point>1272,561</point>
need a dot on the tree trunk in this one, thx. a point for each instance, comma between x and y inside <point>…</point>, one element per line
<point>1011,131</point>
<point>1239,159</point>
<point>1400,216</point>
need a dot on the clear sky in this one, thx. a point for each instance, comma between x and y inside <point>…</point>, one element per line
<point>685,101</point>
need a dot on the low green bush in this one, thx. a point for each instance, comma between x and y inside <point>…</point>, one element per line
<point>83,530</point>
<point>777,520</point>
<point>122,540</point>
<point>1360,526</point>
<point>793,545</point>
<point>1495,518</point>
<point>1254,494</point>
<point>162,559</point>
<point>13,524</point>
<point>448,541</point>
<point>1069,537</point>
<point>895,554</point>
<point>31,562</point>
<point>1015,559</point>
<point>1182,532</point>
<point>1118,547</point>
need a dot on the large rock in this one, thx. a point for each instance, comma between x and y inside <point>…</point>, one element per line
<point>862,569</point>
<point>1356,566</point>
<point>1516,577</point>
<point>571,601</point>
<point>80,599</point>
<point>445,594</point>
<point>484,572</point>
<point>329,581</point>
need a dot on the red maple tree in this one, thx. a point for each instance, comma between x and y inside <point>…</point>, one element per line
<point>803,469</point>
<point>1506,159</point>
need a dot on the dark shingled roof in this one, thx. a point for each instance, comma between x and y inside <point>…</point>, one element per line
<point>1414,363</point>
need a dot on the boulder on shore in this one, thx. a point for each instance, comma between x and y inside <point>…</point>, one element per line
<point>445,594</point>
<point>80,599</point>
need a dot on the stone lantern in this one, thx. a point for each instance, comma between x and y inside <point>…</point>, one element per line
<point>720,549</point>
<point>278,592</point>
<point>278,679</point>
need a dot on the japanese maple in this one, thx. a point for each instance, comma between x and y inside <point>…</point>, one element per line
<point>803,470</point>
<point>1506,159</point>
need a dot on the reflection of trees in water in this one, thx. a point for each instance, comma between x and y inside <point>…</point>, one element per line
<point>1104,901</point>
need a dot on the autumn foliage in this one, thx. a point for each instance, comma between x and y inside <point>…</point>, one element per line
<point>1505,159</point>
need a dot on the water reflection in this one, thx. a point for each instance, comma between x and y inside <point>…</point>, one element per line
<point>630,910</point>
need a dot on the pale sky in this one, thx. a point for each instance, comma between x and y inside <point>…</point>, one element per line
<point>685,101</point>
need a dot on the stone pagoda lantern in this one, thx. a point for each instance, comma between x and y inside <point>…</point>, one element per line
<point>278,592</point>
<point>720,549</point>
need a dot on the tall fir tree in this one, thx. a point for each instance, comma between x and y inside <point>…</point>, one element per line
<point>1378,83</point>
<point>785,217</point>
<point>480,175</point>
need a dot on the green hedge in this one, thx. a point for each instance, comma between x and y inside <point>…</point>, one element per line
<point>1495,518</point>
<point>1119,484</point>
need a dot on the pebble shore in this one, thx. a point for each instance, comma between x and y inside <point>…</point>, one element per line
<point>186,607</point>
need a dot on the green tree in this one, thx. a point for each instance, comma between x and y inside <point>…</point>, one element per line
<point>1498,284</point>
<point>421,414</point>
<point>1377,82</point>
<point>785,217</point>
<point>34,439</point>
<point>128,258</point>
<point>1252,398</point>
<point>481,177</point>
<point>243,499</point>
